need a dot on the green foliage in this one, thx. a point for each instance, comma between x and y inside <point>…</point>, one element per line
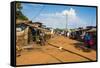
<point>19,14</point>
<point>18,6</point>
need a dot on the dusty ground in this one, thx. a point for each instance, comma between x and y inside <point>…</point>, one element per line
<point>51,54</point>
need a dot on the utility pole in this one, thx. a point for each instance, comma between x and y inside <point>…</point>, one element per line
<point>66,26</point>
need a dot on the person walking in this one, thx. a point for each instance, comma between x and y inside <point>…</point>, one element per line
<point>91,41</point>
<point>42,38</point>
<point>87,38</point>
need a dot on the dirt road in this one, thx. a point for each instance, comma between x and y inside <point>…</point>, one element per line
<point>51,53</point>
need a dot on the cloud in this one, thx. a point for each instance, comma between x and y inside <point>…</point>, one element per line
<point>70,12</point>
<point>54,20</point>
<point>59,20</point>
<point>52,14</point>
<point>35,5</point>
<point>71,15</point>
<point>72,20</point>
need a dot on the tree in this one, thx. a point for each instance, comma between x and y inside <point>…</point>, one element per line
<point>18,6</point>
<point>19,14</point>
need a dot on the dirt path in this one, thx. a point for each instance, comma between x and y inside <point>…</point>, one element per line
<point>70,44</point>
<point>50,54</point>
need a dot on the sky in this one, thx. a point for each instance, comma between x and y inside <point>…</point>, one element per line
<point>60,16</point>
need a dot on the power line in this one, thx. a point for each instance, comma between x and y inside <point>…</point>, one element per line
<point>38,13</point>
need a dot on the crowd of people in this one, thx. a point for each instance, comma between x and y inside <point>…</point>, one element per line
<point>88,38</point>
<point>38,36</point>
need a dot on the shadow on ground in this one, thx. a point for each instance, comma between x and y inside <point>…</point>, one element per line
<point>81,46</point>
